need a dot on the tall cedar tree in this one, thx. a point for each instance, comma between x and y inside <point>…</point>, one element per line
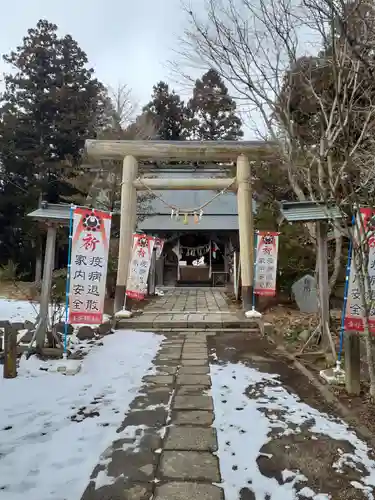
<point>212,112</point>
<point>167,113</point>
<point>51,104</point>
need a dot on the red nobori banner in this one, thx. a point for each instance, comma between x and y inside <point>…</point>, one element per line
<point>139,268</point>
<point>354,311</point>
<point>266,263</point>
<point>88,265</point>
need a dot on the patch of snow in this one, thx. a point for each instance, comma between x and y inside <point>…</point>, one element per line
<point>25,310</point>
<point>45,455</point>
<point>213,356</point>
<point>307,492</point>
<point>18,310</point>
<point>242,414</point>
<point>287,474</point>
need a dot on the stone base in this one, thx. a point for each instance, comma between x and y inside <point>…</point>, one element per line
<point>123,314</point>
<point>253,314</point>
<point>333,376</point>
<point>66,366</point>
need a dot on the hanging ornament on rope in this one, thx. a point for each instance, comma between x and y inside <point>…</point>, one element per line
<point>197,212</point>
<point>214,249</point>
<point>197,217</point>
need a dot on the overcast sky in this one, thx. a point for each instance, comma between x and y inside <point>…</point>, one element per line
<point>127,41</point>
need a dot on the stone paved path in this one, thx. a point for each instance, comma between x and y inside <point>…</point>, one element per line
<point>178,300</point>
<point>192,308</point>
<point>169,444</point>
<point>276,438</point>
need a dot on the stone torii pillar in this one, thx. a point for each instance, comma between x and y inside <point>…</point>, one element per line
<point>127,227</point>
<point>246,230</point>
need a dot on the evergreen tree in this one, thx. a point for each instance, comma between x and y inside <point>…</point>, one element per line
<point>167,113</point>
<point>51,104</point>
<point>212,111</point>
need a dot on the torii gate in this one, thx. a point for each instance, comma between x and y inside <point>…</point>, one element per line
<point>130,152</point>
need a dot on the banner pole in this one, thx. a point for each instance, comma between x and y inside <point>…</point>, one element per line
<point>346,290</point>
<point>255,266</point>
<point>67,290</point>
<point>253,313</point>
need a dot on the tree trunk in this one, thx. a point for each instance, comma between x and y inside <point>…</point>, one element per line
<point>336,261</point>
<point>39,260</point>
<point>370,363</point>
<point>39,250</point>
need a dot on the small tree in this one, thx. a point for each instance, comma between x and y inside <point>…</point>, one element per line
<point>120,110</point>
<point>212,111</point>
<point>258,50</point>
<point>167,113</point>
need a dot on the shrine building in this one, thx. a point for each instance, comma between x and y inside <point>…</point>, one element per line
<point>208,233</point>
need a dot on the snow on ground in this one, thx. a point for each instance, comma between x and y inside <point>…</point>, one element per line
<point>18,310</point>
<point>244,423</point>
<point>44,454</point>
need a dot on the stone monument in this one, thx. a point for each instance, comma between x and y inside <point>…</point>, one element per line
<point>305,294</point>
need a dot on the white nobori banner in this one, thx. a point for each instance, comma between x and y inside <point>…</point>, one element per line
<point>88,265</point>
<point>139,267</point>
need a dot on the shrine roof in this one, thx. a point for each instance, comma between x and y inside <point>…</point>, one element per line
<point>304,211</point>
<point>225,204</point>
<point>52,212</point>
<point>207,223</point>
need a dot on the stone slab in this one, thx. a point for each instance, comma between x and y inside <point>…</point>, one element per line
<point>162,322</point>
<point>196,317</point>
<point>190,465</point>
<point>180,317</point>
<point>166,370</point>
<point>197,344</point>
<point>191,438</point>
<point>203,358</point>
<point>194,380</point>
<point>196,402</point>
<point>213,318</point>
<point>127,489</point>
<point>172,350</point>
<point>202,325</point>
<point>192,390</point>
<point>165,351</point>
<point>193,417</point>
<point>159,317</point>
<point>155,418</point>
<point>194,370</point>
<point>169,354</point>
<point>163,361</point>
<point>195,352</point>
<point>188,491</point>
<point>198,350</point>
<point>194,362</point>
<point>159,379</point>
<point>194,338</point>
<point>160,395</point>
<point>199,353</point>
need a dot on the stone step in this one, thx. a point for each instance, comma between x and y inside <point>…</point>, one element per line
<point>188,321</point>
<point>204,331</point>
